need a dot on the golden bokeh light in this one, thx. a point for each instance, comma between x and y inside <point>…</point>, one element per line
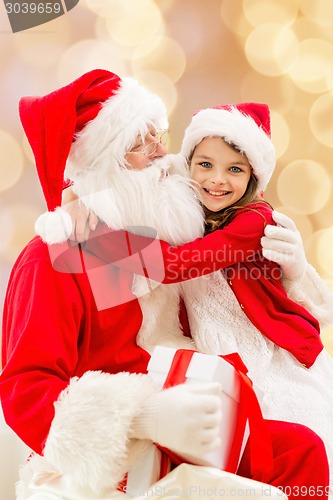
<point>11,166</point>
<point>319,11</point>
<point>314,63</point>
<point>162,85</point>
<point>123,53</point>
<point>97,54</point>
<point>234,19</point>
<point>7,229</point>
<point>139,25</point>
<point>168,57</point>
<point>280,133</point>
<point>20,233</point>
<point>145,49</point>
<point>304,186</point>
<point>324,251</point>
<point>46,54</point>
<point>27,149</point>
<point>272,49</point>
<point>313,256</point>
<point>258,88</point>
<point>327,338</point>
<point>324,217</point>
<point>189,35</point>
<point>321,114</point>
<point>304,28</point>
<point>259,12</point>
<point>108,8</point>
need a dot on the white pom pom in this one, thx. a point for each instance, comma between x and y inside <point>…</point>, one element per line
<point>54,227</point>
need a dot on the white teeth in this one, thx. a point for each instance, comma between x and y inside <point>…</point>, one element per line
<point>217,193</point>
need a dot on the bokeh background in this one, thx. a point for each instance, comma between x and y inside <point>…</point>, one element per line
<point>194,54</point>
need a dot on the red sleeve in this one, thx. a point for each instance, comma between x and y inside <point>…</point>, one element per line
<point>237,242</point>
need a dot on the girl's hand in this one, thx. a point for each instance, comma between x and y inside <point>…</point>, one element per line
<point>83,220</point>
<point>283,244</point>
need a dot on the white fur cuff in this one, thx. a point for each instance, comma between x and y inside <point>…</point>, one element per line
<point>88,438</point>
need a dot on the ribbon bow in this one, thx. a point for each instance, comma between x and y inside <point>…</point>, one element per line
<point>261,454</point>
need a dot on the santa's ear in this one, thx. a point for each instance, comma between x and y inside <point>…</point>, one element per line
<point>54,227</point>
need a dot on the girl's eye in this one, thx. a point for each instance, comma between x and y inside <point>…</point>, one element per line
<point>205,164</point>
<point>235,169</point>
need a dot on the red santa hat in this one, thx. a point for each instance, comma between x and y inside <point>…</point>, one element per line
<point>99,112</point>
<point>245,125</point>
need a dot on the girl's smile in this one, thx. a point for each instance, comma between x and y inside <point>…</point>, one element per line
<point>216,193</point>
<point>221,172</point>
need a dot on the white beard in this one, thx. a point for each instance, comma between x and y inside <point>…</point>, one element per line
<point>139,200</point>
<point>158,201</point>
<point>149,198</point>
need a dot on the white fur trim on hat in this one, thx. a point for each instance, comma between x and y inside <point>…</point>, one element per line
<point>104,141</point>
<point>236,128</point>
<point>54,227</point>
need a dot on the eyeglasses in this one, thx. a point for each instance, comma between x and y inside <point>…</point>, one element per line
<point>161,137</point>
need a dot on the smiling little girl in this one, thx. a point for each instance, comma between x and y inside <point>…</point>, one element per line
<point>244,308</point>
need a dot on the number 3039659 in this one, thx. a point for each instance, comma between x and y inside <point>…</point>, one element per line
<point>33,8</point>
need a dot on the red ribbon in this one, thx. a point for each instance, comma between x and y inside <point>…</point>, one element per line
<point>261,454</point>
<point>178,368</point>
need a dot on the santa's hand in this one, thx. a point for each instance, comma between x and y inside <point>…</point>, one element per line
<point>185,418</point>
<point>283,244</point>
<point>83,220</point>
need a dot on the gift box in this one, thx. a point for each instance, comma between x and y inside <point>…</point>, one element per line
<point>206,368</point>
<point>240,407</point>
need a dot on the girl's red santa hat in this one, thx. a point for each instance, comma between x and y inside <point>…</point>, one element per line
<point>244,125</point>
<point>82,131</point>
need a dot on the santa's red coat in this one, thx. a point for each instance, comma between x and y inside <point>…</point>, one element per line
<point>53,331</point>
